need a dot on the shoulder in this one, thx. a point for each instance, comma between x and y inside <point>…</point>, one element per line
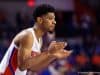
<point>24,35</point>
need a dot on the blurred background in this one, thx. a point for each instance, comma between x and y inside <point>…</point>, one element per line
<point>78,23</point>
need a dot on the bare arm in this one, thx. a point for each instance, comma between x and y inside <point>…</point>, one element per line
<point>26,61</point>
<point>44,59</point>
<point>36,63</point>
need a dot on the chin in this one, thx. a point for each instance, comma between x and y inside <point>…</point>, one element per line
<point>51,29</point>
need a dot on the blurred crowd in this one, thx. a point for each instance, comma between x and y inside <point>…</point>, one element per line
<point>82,37</point>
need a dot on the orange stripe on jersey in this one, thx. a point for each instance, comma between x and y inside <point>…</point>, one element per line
<point>12,63</point>
<point>14,59</point>
<point>7,72</point>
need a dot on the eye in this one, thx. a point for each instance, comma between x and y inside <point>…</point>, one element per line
<point>51,18</point>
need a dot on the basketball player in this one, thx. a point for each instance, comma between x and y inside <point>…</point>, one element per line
<point>24,55</point>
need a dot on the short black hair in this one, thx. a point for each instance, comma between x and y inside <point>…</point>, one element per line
<point>42,10</point>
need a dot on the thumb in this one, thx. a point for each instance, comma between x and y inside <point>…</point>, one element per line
<point>69,52</point>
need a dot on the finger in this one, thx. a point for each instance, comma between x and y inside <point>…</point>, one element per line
<point>57,47</point>
<point>53,42</point>
<point>64,54</point>
<point>68,52</point>
<point>62,44</point>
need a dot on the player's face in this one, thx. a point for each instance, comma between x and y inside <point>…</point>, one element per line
<point>48,21</point>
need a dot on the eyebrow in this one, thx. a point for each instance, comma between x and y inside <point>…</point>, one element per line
<point>50,16</point>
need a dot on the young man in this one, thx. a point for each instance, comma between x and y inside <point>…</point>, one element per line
<point>24,55</point>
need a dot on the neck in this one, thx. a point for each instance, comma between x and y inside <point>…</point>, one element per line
<point>38,31</point>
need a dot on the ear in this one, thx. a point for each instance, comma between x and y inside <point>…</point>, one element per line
<point>39,20</point>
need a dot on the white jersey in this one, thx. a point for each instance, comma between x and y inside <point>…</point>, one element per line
<point>8,65</point>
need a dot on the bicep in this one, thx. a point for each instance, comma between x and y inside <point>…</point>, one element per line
<point>25,47</point>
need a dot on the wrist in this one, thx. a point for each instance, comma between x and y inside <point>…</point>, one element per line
<point>51,55</point>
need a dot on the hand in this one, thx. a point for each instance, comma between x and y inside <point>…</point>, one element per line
<point>62,53</point>
<point>57,49</point>
<point>56,46</point>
